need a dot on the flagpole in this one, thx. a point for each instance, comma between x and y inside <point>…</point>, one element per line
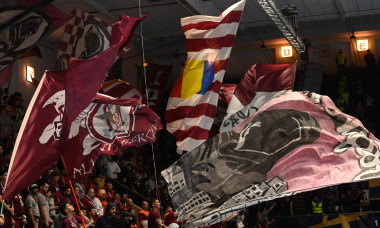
<point>76,201</point>
<point>2,206</point>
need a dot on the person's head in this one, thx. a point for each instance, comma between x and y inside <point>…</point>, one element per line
<point>90,193</point>
<point>169,209</point>
<point>43,186</point>
<point>102,195</point>
<point>111,209</point>
<point>368,51</point>
<point>156,204</point>
<point>48,193</point>
<point>33,188</point>
<point>92,212</point>
<point>130,202</point>
<point>340,51</point>
<point>3,175</point>
<point>144,205</point>
<point>67,191</point>
<point>132,211</point>
<point>52,191</point>
<point>66,209</point>
<point>54,177</point>
<point>116,197</point>
<point>124,198</point>
<point>109,186</point>
<point>76,190</point>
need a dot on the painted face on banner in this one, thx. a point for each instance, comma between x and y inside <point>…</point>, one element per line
<point>245,159</point>
<point>21,36</point>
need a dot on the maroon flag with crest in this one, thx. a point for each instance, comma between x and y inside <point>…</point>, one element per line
<point>57,102</point>
<point>120,123</point>
<point>85,76</point>
<point>38,141</point>
<point>157,79</point>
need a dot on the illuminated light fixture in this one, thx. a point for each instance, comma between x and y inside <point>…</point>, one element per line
<point>286,51</point>
<point>362,45</point>
<point>29,73</point>
<point>145,64</point>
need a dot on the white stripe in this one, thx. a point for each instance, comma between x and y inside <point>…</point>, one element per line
<point>204,122</point>
<point>209,97</point>
<point>220,31</point>
<point>24,122</point>
<point>239,6</point>
<point>204,54</point>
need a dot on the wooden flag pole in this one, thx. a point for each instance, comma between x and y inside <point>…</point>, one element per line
<point>76,201</point>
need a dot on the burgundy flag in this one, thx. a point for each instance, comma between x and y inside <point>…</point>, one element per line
<point>157,77</point>
<point>38,141</point>
<point>297,141</point>
<point>85,76</point>
<point>121,89</point>
<point>6,74</point>
<point>121,123</point>
<point>261,83</point>
<point>38,149</point>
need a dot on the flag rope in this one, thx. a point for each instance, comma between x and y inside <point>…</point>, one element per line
<point>147,102</point>
<point>76,201</point>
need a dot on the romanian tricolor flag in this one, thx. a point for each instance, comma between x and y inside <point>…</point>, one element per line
<point>192,104</point>
<point>195,79</point>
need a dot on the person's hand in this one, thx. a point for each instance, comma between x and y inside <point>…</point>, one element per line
<point>81,214</point>
<point>47,223</point>
<point>12,211</point>
<point>35,225</point>
<point>51,221</point>
<point>24,222</point>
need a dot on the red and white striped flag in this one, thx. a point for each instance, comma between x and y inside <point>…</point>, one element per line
<point>192,104</point>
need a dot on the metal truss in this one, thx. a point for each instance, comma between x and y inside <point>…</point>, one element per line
<point>282,23</point>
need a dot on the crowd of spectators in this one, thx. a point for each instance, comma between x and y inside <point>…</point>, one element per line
<point>127,186</point>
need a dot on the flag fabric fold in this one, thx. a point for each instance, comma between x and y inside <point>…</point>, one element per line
<point>295,142</point>
<point>261,83</point>
<point>192,102</point>
<point>119,123</point>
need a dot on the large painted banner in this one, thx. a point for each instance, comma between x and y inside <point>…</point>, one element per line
<point>295,142</point>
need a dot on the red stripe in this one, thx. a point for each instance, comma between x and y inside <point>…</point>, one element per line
<point>182,112</point>
<point>194,132</point>
<point>220,65</point>
<point>233,16</point>
<point>194,45</point>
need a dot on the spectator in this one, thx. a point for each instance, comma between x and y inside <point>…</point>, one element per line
<point>71,220</point>
<point>19,211</point>
<point>92,214</point>
<point>112,168</point>
<point>50,201</point>
<point>340,60</point>
<point>109,191</point>
<point>103,199</point>
<point>154,217</point>
<point>31,205</point>
<point>68,197</point>
<point>123,205</point>
<point>170,218</point>
<point>143,214</point>
<point>54,183</point>
<point>370,60</point>
<point>87,200</point>
<point>8,208</point>
<point>42,205</point>
<point>98,205</point>
<point>105,220</point>
<point>316,205</point>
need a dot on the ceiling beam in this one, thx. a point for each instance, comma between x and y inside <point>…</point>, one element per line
<point>339,5</point>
